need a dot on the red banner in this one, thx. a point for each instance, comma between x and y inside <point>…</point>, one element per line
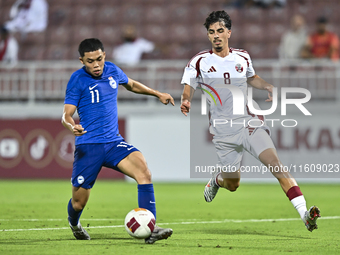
<point>40,148</point>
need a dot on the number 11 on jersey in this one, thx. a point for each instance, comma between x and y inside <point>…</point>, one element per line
<point>97,95</point>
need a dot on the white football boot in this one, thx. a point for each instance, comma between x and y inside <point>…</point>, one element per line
<point>211,188</point>
<point>79,232</point>
<point>310,218</point>
<point>158,234</point>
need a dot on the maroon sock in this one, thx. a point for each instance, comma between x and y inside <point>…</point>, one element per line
<point>294,192</point>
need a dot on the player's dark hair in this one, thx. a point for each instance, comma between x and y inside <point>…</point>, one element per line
<point>218,16</point>
<point>90,44</point>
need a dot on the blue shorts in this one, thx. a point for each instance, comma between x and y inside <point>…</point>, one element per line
<point>89,159</point>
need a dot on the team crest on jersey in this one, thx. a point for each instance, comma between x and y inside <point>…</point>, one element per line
<point>80,179</point>
<point>239,68</point>
<point>113,83</point>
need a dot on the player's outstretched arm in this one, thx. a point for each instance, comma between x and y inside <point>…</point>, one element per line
<point>139,88</point>
<point>186,97</point>
<point>258,83</point>
<point>68,121</point>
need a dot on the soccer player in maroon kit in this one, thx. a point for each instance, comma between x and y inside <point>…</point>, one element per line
<point>234,67</point>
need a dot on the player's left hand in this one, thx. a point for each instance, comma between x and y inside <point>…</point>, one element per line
<point>78,130</point>
<point>270,92</point>
<point>166,98</point>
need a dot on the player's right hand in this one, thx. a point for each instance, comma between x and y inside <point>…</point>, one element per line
<point>78,130</point>
<point>270,93</point>
<point>185,107</point>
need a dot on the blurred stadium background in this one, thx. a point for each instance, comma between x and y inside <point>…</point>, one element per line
<point>34,144</point>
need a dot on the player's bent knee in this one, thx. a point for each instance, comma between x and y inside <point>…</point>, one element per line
<point>233,187</point>
<point>143,175</point>
<point>78,205</point>
<point>80,197</point>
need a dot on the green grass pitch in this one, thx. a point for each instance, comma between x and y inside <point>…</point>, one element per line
<point>257,219</point>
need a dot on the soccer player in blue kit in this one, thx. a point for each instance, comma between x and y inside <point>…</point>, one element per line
<point>92,91</point>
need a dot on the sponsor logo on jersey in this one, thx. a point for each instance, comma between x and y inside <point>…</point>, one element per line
<point>212,69</point>
<point>239,68</point>
<point>91,88</point>
<point>113,83</point>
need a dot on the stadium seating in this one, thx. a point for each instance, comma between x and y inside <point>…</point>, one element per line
<point>156,14</point>
<point>57,51</point>
<point>59,15</point>
<point>109,15</point>
<point>29,52</point>
<point>178,23</point>
<point>59,34</point>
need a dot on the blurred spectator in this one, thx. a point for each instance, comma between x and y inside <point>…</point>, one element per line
<point>28,16</point>
<point>322,43</point>
<point>258,3</point>
<point>8,48</point>
<point>238,3</point>
<point>293,41</point>
<point>131,51</point>
<point>268,3</point>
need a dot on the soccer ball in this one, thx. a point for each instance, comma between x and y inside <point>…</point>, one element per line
<point>139,223</point>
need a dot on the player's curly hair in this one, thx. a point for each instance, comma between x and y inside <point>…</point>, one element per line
<point>90,44</point>
<point>218,16</point>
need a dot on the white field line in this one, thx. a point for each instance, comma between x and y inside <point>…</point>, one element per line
<point>170,223</point>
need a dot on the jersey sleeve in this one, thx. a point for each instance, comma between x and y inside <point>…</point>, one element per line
<point>73,92</point>
<point>189,77</point>
<point>123,79</point>
<point>191,73</point>
<point>250,69</point>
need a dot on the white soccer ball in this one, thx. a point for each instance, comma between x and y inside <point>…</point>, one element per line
<point>139,223</point>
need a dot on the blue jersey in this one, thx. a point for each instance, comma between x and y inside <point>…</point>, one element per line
<point>96,102</point>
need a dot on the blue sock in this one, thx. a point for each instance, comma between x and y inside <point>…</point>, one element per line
<point>73,216</point>
<point>146,197</point>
